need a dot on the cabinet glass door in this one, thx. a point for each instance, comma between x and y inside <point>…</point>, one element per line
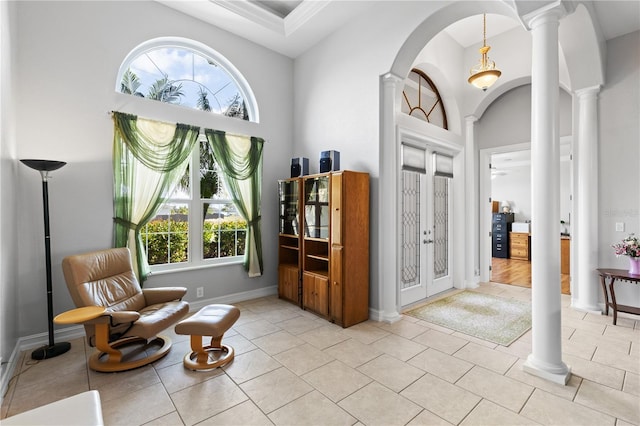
<point>316,207</point>
<point>289,214</point>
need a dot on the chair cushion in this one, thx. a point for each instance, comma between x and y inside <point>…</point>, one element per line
<point>103,278</point>
<point>155,318</point>
<point>212,320</point>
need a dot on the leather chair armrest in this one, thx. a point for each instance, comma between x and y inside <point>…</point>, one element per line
<point>163,294</point>
<point>121,317</point>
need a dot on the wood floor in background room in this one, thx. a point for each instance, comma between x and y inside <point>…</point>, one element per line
<point>518,272</point>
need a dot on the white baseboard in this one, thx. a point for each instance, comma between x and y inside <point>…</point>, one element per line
<point>375,315</point>
<point>8,371</point>
<point>234,298</point>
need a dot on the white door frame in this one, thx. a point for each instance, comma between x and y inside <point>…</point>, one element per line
<point>430,143</point>
<point>485,206</point>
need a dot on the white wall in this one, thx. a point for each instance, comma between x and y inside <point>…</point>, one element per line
<point>618,168</point>
<point>68,58</point>
<point>8,193</point>
<point>507,121</point>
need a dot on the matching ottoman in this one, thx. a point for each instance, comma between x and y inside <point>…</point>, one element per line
<point>214,321</point>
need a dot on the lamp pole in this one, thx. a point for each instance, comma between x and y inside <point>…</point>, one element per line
<point>44,167</point>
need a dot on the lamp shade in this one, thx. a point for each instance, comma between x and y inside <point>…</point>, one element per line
<point>43,165</point>
<point>484,79</point>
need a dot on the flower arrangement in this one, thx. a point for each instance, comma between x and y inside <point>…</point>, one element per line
<point>630,246</point>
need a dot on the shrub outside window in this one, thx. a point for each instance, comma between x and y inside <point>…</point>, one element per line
<point>213,217</point>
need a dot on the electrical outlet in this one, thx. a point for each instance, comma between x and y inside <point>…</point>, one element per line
<point>200,292</point>
<point>620,226</point>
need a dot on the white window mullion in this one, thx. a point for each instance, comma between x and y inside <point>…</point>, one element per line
<point>195,209</point>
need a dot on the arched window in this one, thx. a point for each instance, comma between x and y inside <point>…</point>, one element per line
<point>422,100</point>
<point>199,222</point>
<point>186,73</point>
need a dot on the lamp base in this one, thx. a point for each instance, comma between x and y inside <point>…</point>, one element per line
<point>46,352</point>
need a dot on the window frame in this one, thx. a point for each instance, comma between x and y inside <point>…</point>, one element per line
<point>422,76</point>
<point>195,251</point>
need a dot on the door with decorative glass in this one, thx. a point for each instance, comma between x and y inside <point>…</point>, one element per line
<point>425,231</point>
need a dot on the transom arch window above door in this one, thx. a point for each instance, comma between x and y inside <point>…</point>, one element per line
<point>185,72</point>
<point>422,100</point>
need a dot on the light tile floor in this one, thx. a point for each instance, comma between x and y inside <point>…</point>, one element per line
<point>293,368</point>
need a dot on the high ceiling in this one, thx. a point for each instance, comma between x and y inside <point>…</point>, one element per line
<point>293,26</point>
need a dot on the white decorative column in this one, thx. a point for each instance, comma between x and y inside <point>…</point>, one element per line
<point>387,197</point>
<point>586,256</point>
<point>545,359</point>
<point>472,247</point>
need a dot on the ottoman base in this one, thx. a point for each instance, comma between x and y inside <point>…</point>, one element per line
<point>207,357</point>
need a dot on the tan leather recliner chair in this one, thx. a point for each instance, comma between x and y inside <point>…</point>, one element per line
<point>125,334</point>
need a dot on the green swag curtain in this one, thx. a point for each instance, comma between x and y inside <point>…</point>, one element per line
<point>149,157</point>
<point>240,158</point>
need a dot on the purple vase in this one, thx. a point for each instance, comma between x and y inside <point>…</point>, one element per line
<point>634,265</point>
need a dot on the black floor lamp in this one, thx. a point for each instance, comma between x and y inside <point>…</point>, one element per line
<point>44,167</point>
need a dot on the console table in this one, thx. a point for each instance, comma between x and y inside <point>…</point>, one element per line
<point>611,275</point>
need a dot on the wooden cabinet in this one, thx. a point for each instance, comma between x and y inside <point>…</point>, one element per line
<point>349,256</point>
<point>323,247</point>
<point>565,254</point>
<point>315,293</point>
<point>335,246</point>
<point>519,245</point>
<point>289,283</point>
<point>289,253</point>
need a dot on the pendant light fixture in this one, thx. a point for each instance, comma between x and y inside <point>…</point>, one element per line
<point>485,73</point>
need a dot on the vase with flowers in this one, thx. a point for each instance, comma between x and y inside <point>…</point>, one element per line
<point>630,246</point>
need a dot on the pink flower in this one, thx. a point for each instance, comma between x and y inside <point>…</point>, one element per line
<point>630,246</point>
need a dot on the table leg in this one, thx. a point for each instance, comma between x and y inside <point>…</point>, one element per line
<point>606,295</point>
<point>614,304</point>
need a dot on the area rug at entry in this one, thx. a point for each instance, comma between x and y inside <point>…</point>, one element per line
<point>485,316</point>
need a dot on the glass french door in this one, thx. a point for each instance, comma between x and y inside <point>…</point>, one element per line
<point>425,231</point>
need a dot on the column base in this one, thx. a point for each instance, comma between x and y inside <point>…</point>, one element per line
<point>592,309</point>
<point>559,374</point>
<point>381,316</point>
<point>473,283</point>
<point>390,319</point>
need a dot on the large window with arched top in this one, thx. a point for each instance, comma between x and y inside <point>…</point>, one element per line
<point>421,99</point>
<point>186,73</point>
<point>199,223</point>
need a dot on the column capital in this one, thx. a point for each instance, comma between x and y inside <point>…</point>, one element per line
<point>543,12</point>
<point>391,78</point>
<point>470,119</point>
<point>588,91</point>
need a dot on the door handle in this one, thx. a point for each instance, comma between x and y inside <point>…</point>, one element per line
<point>427,241</point>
